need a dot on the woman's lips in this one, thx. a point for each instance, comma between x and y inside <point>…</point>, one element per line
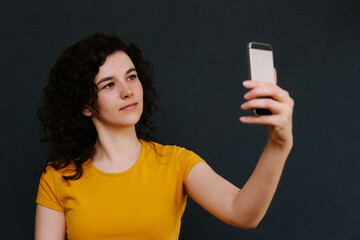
<point>129,107</point>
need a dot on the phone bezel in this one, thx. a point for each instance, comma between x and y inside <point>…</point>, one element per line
<point>260,46</point>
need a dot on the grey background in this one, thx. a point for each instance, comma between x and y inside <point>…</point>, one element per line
<point>198,49</point>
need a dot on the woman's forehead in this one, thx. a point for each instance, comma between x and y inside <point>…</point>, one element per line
<point>116,63</point>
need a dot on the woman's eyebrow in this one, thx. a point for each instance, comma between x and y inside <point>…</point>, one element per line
<point>104,80</point>
<point>111,77</point>
<point>130,70</point>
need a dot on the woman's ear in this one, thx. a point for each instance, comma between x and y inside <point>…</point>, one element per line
<point>87,112</point>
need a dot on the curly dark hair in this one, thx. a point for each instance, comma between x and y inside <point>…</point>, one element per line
<point>70,134</point>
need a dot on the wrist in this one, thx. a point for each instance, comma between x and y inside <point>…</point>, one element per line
<point>285,145</point>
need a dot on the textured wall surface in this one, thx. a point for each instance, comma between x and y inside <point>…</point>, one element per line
<point>198,49</point>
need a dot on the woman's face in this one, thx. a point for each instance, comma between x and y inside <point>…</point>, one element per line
<point>120,93</point>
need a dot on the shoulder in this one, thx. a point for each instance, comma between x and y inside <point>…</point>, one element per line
<point>51,172</point>
<point>165,150</point>
<point>183,158</point>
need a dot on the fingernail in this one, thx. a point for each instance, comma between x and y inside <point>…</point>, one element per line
<point>246,83</point>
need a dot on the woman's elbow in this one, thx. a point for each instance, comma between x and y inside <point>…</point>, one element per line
<point>245,224</point>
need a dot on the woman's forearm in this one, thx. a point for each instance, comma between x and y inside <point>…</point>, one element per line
<point>252,202</point>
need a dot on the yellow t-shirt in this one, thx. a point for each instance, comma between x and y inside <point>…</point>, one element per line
<point>146,201</point>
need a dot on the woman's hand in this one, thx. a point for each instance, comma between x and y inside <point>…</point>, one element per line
<point>270,96</point>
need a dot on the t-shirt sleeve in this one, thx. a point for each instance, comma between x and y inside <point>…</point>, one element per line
<point>47,193</point>
<point>187,161</point>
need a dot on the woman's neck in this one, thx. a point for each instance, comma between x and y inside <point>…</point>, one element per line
<point>116,150</point>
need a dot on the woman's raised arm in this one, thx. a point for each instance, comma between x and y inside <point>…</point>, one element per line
<point>245,208</point>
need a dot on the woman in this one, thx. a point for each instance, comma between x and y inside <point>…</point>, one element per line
<point>106,179</point>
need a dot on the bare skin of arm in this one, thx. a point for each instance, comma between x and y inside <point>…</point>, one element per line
<point>49,224</point>
<point>246,207</point>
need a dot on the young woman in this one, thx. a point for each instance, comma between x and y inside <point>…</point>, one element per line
<point>105,177</point>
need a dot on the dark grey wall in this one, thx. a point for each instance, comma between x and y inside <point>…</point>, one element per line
<point>199,52</point>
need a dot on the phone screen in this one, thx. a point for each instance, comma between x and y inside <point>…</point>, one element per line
<point>261,67</point>
<point>261,62</point>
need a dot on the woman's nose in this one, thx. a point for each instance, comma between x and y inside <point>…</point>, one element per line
<point>126,91</point>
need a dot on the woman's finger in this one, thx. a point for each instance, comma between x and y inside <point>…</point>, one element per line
<point>264,119</point>
<point>280,121</point>
<point>265,103</point>
<point>267,90</point>
<point>275,75</point>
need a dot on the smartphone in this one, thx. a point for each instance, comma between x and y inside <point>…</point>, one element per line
<point>261,67</point>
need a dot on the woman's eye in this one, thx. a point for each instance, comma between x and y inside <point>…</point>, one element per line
<point>132,77</point>
<point>108,85</point>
